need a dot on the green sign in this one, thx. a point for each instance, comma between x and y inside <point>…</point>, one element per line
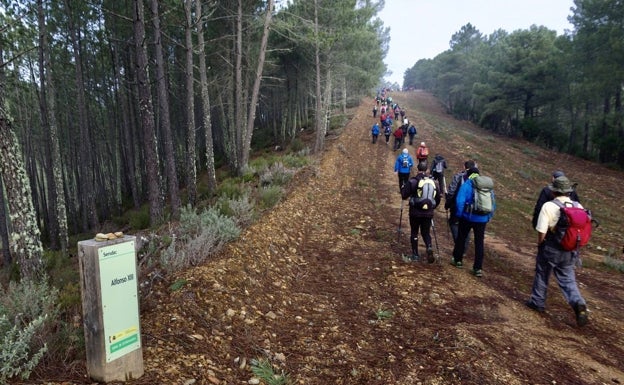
<point>120,304</point>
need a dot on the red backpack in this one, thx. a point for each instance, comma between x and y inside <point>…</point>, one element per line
<point>574,227</point>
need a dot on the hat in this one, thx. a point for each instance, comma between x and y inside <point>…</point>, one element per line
<point>561,185</point>
<point>557,174</point>
<point>472,170</point>
<point>405,151</point>
<point>422,143</point>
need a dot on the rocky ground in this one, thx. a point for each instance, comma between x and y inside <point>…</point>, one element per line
<point>318,286</point>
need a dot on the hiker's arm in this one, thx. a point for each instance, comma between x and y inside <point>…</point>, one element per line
<point>540,238</point>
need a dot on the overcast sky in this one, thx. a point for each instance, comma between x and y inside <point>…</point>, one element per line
<point>421,29</point>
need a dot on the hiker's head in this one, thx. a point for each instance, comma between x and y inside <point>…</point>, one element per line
<point>471,171</point>
<point>557,174</point>
<point>561,186</point>
<point>422,144</point>
<point>405,151</point>
<point>422,166</point>
<point>469,164</point>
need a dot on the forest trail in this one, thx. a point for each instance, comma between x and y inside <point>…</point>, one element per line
<point>319,288</point>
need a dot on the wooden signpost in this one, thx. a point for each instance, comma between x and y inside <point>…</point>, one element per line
<point>110,308</point>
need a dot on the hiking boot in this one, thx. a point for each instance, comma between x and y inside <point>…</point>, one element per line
<point>457,264</point>
<point>430,256</point>
<point>582,316</point>
<point>477,272</point>
<point>533,306</point>
<point>414,258</point>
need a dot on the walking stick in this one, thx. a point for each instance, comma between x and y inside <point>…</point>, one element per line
<point>444,183</point>
<point>400,221</point>
<point>435,237</point>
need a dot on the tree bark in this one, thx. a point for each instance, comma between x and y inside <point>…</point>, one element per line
<point>191,139</point>
<point>205,98</point>
<point>146,111</point>
<point>164,118</point>
<point>320,127</point>
<point>58,207</point>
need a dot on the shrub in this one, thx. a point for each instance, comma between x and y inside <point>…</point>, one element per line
<point>201,234</point>
<point>240,210</point>
<point>25,311</point>
<point>270,196</point>
<point>277,174</point>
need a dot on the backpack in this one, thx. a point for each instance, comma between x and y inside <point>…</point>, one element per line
<point>412,130</point>
<point>387,130</point>
<point>405,163</point>
<point>483,195</point>
<point>423,152</point>
<point>574,227</point>
<point>424,199</point>
<point>439,166</point>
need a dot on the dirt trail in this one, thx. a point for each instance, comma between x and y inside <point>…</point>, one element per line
<point>309,286</point>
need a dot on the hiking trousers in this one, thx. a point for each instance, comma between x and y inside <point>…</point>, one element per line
<point>551,259</point>
<point>478,230</point>
<point>423,225</point>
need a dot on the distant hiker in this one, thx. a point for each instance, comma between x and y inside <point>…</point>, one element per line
<point>449,200</point>
<point>472,217</point>
<point>387,132</point>
<point>375,132</point>
<point>375,111</point>
<point>422,153</point>
<point>382,117</point>
<point>402,113</point>
<point>411,131</point>
<point>437,170</point>
<point>397,111</point>
<point>423,199</point>
<point>403,166</point>
<point>404,128</point>
<point>547,195</point>
<point>398,138</point>
<point>552,258</point>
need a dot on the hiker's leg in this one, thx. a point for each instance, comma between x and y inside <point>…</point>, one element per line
<point>425,230</point>
<point>565,275</point>
<point>542,273</point>
<point>414,234</point>
<point>479,236</point>
<point>462,233</point>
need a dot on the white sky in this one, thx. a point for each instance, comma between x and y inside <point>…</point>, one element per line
<point>421,29</point>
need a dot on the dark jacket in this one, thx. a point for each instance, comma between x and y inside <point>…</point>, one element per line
<point>547,195</point>
<point>411,189</point>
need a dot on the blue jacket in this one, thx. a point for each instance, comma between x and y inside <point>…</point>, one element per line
<point>398,165</point>
<point>464,197</point>
<point>375,129</point>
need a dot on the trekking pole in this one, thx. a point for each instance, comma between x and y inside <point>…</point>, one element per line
<point>435,237</point>
<point>400,221</point>
<point>448,222</point>
<point>444,183</point>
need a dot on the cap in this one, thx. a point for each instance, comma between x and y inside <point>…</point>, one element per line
<point>422,143</point>
<point>405,151</point>
<point>561,184</point>
<point>557,174</point>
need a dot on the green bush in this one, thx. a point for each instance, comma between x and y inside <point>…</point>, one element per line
<point>241,210</point>
<point>201,235</point>
<point>27,310</point>
<point>270,196</point>
<point>277,174</point>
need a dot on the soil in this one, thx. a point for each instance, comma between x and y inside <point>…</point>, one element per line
<point>319,286</point>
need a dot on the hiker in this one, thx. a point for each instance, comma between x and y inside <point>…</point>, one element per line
<point>423,197</point>
<point>402,113</point>
<point>449,200</point>
<point>547,195</point>
<point>398,138</point>
<point>552,258</point>
<point>470,219</point>
<point>437,170</point>
<point>387,132</point>
<point>375,132</point>
<point>403,166</point>
<point>375,111</point>
<point>422,153</point>
<point>411,131</point>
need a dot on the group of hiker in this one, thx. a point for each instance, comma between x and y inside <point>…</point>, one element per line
<point>470,204</point>
<point>386,120</point>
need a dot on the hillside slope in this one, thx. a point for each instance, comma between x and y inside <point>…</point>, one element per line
<point>319,288</point>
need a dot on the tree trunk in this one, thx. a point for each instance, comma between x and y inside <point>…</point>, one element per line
<point>191,165</point>
<point>24,235</point>
<point>164,118</point>
<point>58,223</point>
<point>320,132</point>
<point>251,115</point>
<point>146,111</point>
<point>205,97</point>
<point>87,181</point>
